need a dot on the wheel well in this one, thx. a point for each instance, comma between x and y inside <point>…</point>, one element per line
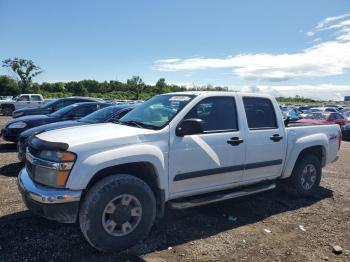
<point>318,151</point>
<point>142,170</point>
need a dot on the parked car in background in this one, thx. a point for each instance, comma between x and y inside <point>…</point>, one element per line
<point>324,118</point>
<point>325,109</point>
<point>346,114</point>
<point>107,114</point>
<point>53,106</point>
<point>181,150</point>
<point>304,108</point>
<point>21,101</point>
<point>345,129</point>
<point>5,98</point>
<point>16,126</point>
<point>293,114</point>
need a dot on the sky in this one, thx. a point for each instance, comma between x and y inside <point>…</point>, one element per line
<point>284,48</point>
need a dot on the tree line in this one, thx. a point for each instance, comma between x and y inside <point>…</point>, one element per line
<point>25,70</point>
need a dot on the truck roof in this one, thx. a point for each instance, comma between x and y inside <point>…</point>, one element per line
<point>219,93</point>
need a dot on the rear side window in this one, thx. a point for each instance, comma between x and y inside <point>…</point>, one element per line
<point>217,113</point>
<point>36,98</point>
<point>260,113</point>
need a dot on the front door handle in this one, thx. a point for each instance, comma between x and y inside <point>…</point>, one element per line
<point>234,141</point>
<point>276,137</point>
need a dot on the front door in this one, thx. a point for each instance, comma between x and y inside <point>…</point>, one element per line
<point>208,161</point>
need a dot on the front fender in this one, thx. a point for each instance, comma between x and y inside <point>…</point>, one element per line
<point>87,166</point>
<point>301,144</point>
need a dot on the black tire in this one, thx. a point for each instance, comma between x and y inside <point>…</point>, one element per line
<point>7,111</point>
<point>297,183</point>
<point>95,202</point>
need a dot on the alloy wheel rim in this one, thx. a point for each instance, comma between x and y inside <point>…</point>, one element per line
<point>308,177</point>
<point>122,215</point>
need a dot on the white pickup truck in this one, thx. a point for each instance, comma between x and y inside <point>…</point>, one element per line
<point>21,101</point>
<point>181,149</point>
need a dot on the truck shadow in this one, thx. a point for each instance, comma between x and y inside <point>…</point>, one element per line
<point>11,170</point>
<point>8,147</point>
<point>42,239</point>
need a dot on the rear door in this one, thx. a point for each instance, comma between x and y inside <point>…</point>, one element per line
<point>207,161</point>
<point>36,101</point>
<point>265,141</point>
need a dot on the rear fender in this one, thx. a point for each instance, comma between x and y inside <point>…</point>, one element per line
<point>300,145</point>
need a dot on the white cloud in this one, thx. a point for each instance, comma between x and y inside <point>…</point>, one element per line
<point>318,92</point>
<point>327,58</point>
<point>331,19</point>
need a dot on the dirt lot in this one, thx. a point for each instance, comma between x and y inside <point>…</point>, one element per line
<point>230,231</point>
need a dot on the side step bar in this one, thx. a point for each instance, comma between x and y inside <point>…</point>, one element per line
<point>212,198</point>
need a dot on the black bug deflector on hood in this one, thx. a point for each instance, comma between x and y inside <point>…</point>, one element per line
<point>40,144</point>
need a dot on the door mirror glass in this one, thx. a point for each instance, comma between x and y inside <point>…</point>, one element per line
<point>190,127</point>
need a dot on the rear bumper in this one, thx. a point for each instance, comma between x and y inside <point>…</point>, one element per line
<point>61,205</point>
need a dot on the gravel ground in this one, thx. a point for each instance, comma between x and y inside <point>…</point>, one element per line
<point>264,227</point>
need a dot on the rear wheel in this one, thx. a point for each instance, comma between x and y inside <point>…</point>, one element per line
<point>117,212</point>
<point>306,176</point>
<point>7,111</point>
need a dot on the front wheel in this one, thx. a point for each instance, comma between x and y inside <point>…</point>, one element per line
<point>117,212</point>
<point>7,111</point>
<point>306,176</point>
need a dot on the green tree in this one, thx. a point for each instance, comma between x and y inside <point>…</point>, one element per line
<point>161,86</point>
<point>8,86</point>
<point>136,85</point>
<point>24,69</point>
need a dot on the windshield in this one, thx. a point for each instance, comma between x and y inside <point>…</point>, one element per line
<point>156,112</point>
<point>47,105</point>
<point>317,116</point>
<point>100,115</point>
<point>63,111</point>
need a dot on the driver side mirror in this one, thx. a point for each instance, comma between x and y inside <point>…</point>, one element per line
<point>286,121</point>
<point>189,127</point>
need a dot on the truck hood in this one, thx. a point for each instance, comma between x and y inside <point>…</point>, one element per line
<point>104,134</point>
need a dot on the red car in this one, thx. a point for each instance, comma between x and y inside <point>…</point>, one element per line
<point>324,117</point>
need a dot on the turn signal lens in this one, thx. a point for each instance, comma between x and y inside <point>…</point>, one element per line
<point>68,156</point>
<point>61,178</point>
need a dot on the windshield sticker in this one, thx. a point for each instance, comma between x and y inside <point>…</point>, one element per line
<point>180,98</point>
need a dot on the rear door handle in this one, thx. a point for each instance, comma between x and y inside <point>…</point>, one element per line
<point>276,137</point>
<point>234,141</point>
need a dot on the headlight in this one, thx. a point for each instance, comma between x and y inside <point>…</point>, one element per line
<point>52,168</point>
<point>57,156</point>
<point>19,124</point>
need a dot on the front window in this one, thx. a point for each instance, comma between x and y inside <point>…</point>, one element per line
<point>156,112</point>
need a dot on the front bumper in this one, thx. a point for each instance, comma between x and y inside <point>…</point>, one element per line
<point>61,205</point>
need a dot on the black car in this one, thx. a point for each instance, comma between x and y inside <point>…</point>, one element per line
<point>53,106</point>
<point>76,111</point>
<point>107,114</point>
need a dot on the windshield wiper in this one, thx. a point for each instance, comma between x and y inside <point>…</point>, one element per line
<point>135,123</point>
